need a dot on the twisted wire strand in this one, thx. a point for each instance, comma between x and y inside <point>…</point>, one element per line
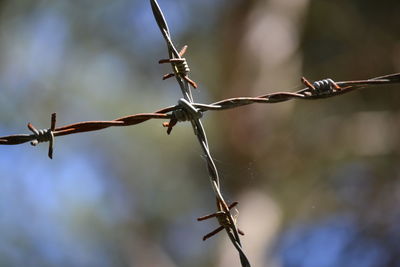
<point>303,94</point>
<point>230,103</point>
<point>199,132</point>
<point>88,126</point>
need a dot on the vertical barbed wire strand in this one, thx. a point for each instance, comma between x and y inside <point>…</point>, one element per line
<point>232,231</point>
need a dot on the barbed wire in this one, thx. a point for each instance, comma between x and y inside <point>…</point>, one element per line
<point>188,110</point>
<point>177,113</point>
<point>180,69</point>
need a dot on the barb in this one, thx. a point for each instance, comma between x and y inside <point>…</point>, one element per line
<point>179,64</point>
<point>223,220</point>
<point>180,67</point>
<point>46,135</point>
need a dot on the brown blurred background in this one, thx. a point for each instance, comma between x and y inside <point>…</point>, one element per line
<point>317,181</point>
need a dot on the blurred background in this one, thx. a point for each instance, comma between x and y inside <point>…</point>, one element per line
<point>318,182</point>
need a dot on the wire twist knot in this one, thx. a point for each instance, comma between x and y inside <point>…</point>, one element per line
<point>322,86</point>
<point>180,66</point>
<point>223,220</point>
<point>185,112</point>
<point>44,135</point>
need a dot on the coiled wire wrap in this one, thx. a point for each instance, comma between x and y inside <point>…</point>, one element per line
<point>181,66</point>
<point>44,135</point>
<point>325,85</point>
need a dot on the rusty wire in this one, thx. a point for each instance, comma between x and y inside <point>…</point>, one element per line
<point>188,110</point>
<point>176,112</point>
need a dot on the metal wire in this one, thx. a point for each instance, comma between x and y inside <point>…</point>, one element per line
<point>198,128</point>
<point>173,53</point>
<point>88,126</point>
<point>188,110</point>
<point>176,111</point>
<point>230,103</point>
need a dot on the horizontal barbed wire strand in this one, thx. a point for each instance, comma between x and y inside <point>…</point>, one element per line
<point>303,94</point>
<point>88,126</point>
<point>225,104</point>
